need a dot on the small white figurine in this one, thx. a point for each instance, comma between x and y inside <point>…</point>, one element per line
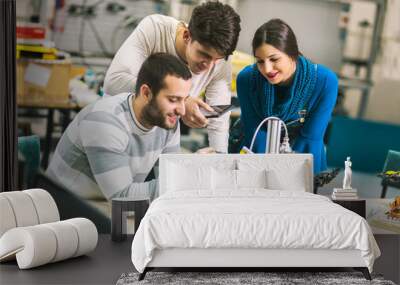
<point>347,174</point>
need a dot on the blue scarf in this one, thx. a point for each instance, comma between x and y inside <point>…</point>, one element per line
<point>299,94</point>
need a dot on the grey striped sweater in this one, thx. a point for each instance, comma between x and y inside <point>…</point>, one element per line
<point>106,153</point>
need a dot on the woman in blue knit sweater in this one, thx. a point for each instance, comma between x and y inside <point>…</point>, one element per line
<point>285,84</point>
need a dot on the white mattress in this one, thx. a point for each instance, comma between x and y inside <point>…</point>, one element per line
<point>252,218</point>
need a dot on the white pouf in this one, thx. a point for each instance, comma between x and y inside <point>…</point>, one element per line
<point>40,244</point>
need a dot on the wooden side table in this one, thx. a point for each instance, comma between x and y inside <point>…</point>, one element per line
<point>357,206</point>
<point>120,207</point>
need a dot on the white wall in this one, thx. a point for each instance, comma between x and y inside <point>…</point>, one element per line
<point>315,23</point>
<point>358,41</point>
<point>384,99</point>
<point>105,23</point>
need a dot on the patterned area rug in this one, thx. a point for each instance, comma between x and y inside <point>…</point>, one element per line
<point>230,278</point>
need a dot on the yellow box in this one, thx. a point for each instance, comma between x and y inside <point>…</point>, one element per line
<point>43,82</point>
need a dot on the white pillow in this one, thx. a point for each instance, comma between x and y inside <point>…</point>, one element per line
<point>281,174</point>
<point>229,164</point>
<point>223,179</point>
<point>251,178</point>
<point>291,180</point>
<point>183,177</point>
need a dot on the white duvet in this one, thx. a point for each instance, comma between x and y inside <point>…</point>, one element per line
<point>252,218</point>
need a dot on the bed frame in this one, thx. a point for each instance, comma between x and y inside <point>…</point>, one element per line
<point>246,259</point>
<point>249,259</point>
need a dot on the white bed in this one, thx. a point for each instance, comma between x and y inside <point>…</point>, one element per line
<point>247,211</point>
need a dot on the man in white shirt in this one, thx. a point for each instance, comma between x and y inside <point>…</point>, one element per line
<point>204,45</point>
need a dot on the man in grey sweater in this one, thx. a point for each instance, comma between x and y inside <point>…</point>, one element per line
<point>112,144</point>
<point>204,45</point>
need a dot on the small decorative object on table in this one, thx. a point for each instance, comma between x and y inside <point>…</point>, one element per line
<point>121,207</point>
<point>386,215</point>
<point>347,192</point>
<point>391,175</point>
<point>394,209</point>
<point>389,178</point>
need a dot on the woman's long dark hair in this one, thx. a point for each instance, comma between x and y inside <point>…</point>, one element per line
<point>279,35</point>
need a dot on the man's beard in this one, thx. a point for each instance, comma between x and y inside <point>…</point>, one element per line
<point>152,115</point>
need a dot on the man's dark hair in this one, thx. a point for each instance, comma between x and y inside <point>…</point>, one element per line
<point>215,25</point>
<point>279,35</point>
<point>156,67</point>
